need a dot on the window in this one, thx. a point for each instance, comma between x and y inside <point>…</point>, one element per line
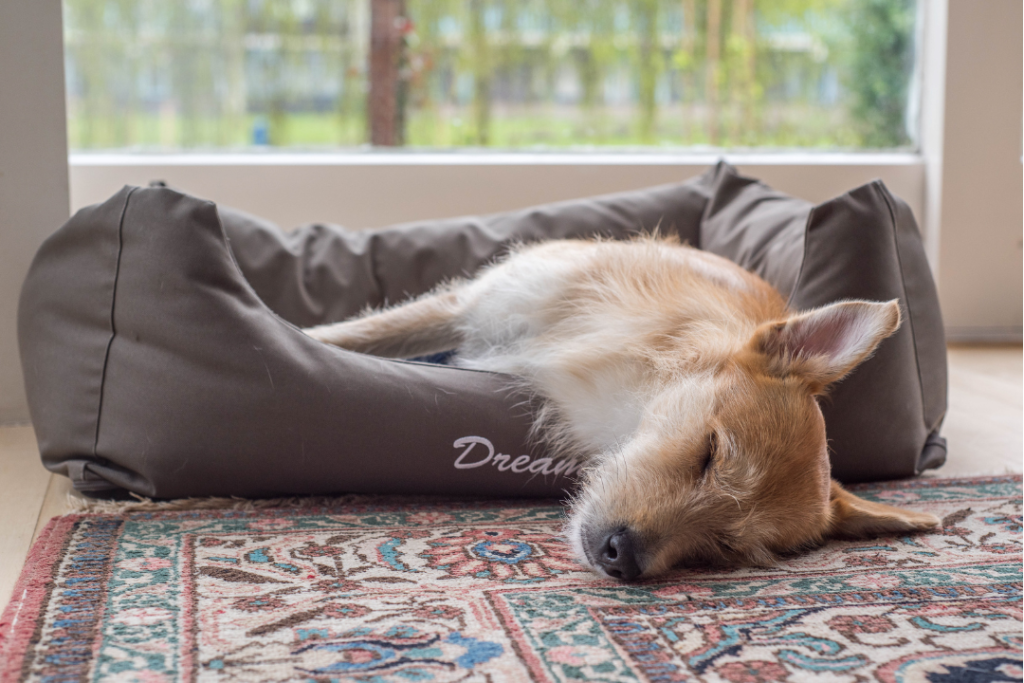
<point>576,75</point>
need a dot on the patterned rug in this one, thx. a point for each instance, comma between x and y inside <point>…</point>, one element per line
<point>486,591</point>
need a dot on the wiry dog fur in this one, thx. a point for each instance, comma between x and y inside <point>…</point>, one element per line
<point>684,380</point>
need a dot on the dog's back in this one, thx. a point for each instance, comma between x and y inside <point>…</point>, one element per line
<point>597,327</point>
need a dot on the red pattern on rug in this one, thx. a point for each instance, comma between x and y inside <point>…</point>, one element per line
<point>444,591</point>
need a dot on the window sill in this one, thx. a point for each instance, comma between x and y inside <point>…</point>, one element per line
<point>377,188</point>
<point>484,158</point>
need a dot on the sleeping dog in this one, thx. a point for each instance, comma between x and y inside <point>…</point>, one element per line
<point>683,381</point>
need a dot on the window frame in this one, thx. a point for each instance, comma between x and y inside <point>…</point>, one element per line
<point>941,181</point>
<point>359,190</point>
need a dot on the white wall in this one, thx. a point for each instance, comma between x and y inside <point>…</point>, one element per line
<point>982,183</point>
<point>33,164</point>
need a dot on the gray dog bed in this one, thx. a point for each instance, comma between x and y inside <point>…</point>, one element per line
<point>160,340</point>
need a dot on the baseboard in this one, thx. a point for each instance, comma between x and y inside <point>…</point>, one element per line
<point>12,415</point>
<point>1011,334</point>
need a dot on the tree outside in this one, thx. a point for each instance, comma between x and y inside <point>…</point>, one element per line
<point>493,74</point>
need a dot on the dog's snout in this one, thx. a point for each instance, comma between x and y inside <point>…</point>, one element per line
<point>616,554</point>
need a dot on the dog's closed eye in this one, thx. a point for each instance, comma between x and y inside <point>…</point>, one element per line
<point>708,457</point>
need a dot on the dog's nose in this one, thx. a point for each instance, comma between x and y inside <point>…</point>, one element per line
<point>616,554</point>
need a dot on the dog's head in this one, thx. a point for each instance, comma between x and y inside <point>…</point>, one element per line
<point>730,463</point>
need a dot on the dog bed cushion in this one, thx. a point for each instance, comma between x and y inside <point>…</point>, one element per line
<point>162,354</point>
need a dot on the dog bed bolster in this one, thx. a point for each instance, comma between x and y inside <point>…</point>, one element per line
<point>160,339</point>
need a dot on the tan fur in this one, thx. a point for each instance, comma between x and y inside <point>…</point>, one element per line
<point>654,360</point>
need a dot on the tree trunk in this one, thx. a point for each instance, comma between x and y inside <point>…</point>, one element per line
<point>387,18</point>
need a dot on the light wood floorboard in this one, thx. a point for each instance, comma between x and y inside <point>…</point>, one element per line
<point>23,485</point>
<point>984,427</point>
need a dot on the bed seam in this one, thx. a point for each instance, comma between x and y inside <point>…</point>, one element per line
<point>113,327</point>
<point>881,189</point>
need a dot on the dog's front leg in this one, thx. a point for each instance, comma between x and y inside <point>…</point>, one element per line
<point>417,328</point>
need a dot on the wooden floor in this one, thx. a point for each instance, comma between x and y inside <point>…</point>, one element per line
<point>983,426</point>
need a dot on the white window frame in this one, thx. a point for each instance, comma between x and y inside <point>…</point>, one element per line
<point>970,133</point>
<point>966,185</point>
<point>382,187</point>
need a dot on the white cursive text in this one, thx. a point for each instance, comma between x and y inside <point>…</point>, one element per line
<point>468,459</point>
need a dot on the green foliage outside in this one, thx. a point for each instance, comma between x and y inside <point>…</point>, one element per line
<point>498,74</point>
<point>883,32</point>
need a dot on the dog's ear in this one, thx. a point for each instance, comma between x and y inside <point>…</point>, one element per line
<point>824,344</point>
<point>853,517</point>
